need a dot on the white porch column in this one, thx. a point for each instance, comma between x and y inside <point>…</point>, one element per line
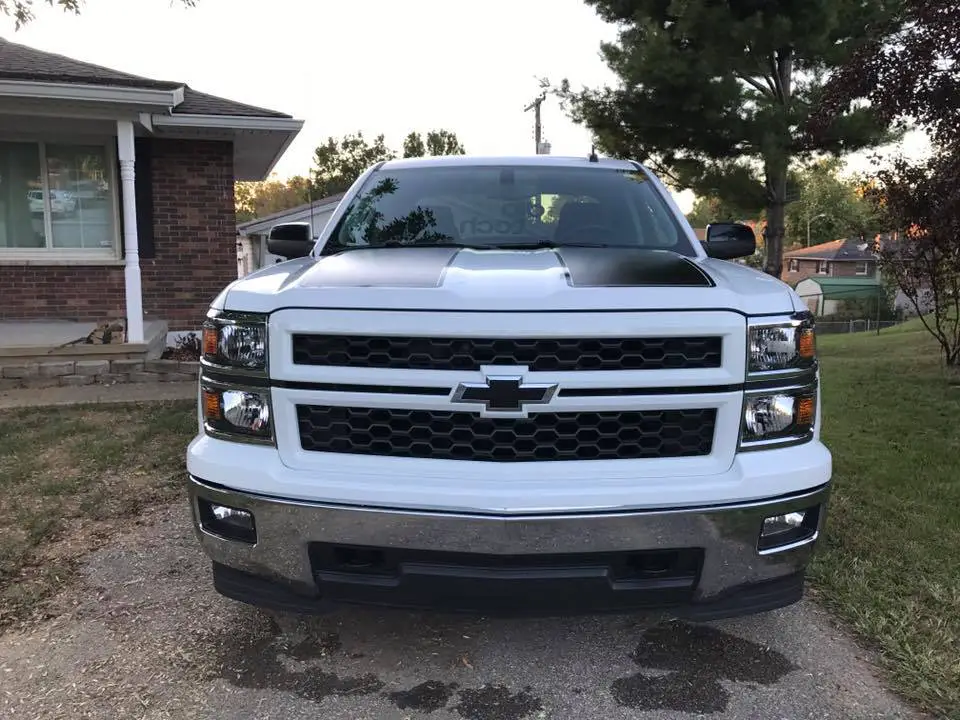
<point>131,271</point>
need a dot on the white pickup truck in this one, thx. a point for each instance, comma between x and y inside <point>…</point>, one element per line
<point>510,385</point>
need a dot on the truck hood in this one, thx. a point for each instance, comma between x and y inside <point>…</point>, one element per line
<point>547,279</point>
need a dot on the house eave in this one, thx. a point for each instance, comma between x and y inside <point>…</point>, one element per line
<point>258,141</point>
<point>149,98</point>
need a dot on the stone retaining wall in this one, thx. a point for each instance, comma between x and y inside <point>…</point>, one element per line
<point>71,373</point>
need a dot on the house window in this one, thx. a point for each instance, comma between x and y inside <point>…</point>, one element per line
<point>823,267</point>
<point>863,268</point>
<point>793,266</point>
<point>57,200</point>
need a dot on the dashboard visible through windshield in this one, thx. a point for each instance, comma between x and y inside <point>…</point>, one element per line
<point>506,206</point>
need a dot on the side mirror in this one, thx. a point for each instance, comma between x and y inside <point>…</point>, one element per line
<point>291,240</point>
<point>726,241</point>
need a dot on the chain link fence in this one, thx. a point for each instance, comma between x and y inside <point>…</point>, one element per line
<point>833,327</point>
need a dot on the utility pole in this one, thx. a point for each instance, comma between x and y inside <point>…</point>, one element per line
<point>537,126</point>
<point>535,106</point>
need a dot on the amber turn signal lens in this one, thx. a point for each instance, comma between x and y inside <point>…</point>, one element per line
<point>211,405</point>
<point>806,409</point>
<point>807,344</point>
<point>210,341</point>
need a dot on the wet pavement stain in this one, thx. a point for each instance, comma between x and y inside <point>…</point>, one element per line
<point>425,697</point>
<point>696,658</point>
<point>496,702</point>
<point>675,691</point>
<point>315,648</point>
<point>253,660</point>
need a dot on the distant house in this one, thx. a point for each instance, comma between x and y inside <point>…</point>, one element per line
<point>253,253</point>
<point>825,295</point>
<point>838,258</point>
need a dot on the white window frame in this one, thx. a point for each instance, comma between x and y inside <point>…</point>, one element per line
<point>823,267</point>
<point>866,267</point>
<point>50,255</point>
<point>793,265</point>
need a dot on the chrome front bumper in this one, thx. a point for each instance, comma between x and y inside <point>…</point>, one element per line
<point>726,535</point>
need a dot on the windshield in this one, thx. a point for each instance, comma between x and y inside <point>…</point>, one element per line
<point>502,206</point>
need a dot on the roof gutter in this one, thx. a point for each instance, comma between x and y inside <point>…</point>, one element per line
<point>106,94</point>
<point>229,122</point>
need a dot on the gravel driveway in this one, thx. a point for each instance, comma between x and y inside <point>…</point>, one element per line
<point>143,635</point>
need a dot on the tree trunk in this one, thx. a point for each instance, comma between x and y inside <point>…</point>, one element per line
<point>776,220</point>
<point>777,164</point>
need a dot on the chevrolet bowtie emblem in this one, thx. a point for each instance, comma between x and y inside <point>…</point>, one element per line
<point>504,394</point>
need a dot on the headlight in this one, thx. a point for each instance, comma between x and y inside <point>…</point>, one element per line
<point>782,417</point>
<point>782,346</point>
<point>236,340</point>
<point>237,414</point>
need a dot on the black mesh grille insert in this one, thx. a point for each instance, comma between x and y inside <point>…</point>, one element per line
<point>542,436</point>
<point>563,354</point>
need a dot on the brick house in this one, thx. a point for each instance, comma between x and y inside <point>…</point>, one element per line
<point>839,258</point>
<point>116,195</point>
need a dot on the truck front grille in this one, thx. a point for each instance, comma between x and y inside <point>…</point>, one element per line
<point>541,437</point>
<point>563,354</point>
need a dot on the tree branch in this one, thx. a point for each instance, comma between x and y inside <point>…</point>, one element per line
<point>770,84</point>
<point>775,74</point>
<point>750,81</point>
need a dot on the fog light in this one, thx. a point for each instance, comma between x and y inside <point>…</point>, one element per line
<point>227,522</point>
<point>783,523</point>
<point>779,532</point>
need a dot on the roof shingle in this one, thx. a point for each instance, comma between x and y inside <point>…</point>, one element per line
<point>20,62</point>
<point>836,250</point>
<point>198,103</point>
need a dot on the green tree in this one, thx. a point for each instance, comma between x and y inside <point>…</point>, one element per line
<point>338,163</point>
<point>711,208</point>
<point>444,142</point>
<point>715,95</point>
<point>439,142</point>
<point>828,207</point>
<point>413,146</point>
<point>22,10</point>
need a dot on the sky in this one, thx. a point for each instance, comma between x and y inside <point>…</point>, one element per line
<point>376,66</point>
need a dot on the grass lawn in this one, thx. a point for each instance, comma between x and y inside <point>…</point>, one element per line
<point>69,477</point>
<point>890,563</point>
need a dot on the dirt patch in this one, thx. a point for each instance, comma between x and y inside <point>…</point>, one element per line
<point>69,478</point>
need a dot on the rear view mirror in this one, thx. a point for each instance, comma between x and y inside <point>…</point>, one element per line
<point>291,240</point>
<point>729,240</point>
